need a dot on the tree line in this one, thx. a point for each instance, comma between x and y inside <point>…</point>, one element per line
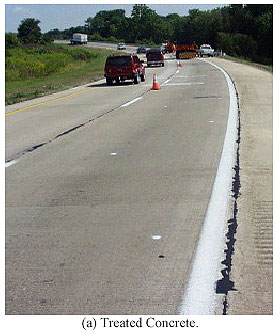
<point>238,30</point>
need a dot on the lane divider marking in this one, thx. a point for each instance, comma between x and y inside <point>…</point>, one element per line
<point>183,84</point>
<point>10,163</point>
<point>190,76</point>
<point>156,237</point>
<point>47,102</point>
<point>132,101</point>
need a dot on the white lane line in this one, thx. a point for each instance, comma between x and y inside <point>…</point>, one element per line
<point>156,237</point>
<point>183,84</point>
<point>167,81</point>
<point>130,102</point>
<point>199,297</point>
<point>113,153</point>
<point>190,76</point>
<point>10,163</point>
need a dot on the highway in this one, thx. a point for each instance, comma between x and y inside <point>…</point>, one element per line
<point>107,190</point>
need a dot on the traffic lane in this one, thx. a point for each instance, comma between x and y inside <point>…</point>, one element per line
<point>82,211</point>
<point>34,124</point>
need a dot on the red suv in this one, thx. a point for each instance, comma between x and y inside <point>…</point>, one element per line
<point>124,67</point>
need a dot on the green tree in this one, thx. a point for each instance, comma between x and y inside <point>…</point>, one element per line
<point>11,41</point>
<point>29,31</point>
<point>144,23</point>
<point>107,23</point>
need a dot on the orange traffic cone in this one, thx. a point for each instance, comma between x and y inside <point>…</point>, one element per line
<point>180,64</point>
<point>155,85</point>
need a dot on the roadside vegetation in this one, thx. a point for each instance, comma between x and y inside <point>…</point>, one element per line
<point>35,66</point>
<point>34,70</point>
<point>238,30</point>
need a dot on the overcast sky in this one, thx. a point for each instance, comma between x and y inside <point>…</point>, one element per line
<point>63,16</point>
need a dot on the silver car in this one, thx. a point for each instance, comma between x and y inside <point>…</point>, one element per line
<point>121,46</point>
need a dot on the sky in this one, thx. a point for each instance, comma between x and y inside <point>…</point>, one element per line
<point>63,16</point>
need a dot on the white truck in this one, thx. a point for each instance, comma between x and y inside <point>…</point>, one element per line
<point>206,50</point>
<point>78,38</point>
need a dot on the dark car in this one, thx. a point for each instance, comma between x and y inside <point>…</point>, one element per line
<point>155,57</point>
<point>123,67</point>
<point>141,49</point>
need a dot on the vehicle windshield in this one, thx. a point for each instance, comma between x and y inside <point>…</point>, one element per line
<point>118,61</point>
<point>206,47</point>
<point>154,54</point>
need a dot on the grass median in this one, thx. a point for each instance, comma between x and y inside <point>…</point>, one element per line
<point>35,71</point>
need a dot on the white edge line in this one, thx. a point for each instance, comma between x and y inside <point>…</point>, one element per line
<point>132,101</point>
<point>10,163</point>
<point>199,297</point>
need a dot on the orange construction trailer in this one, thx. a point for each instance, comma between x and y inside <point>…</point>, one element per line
<point>185,50</point>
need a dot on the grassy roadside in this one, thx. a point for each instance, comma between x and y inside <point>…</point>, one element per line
<point>34,73</point>
<point>268,68</point>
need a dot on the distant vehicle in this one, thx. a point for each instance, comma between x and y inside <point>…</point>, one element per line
<point>141,49</point>
<point>121,46</point>
<point>78,39</point>
<point>185,50</point>
<point>170,47</point>
<point>123,67</point>
<point>155,57</point>
<point>206,50</point>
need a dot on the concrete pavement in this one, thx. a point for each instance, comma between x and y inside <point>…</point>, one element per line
<point>252,259</point>
<point>48,261</point>
<point>82,211</point>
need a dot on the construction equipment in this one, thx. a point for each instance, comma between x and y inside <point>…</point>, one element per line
<point>185,50</point>
<point>170,47</point>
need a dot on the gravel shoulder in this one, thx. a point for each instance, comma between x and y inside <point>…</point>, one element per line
<point>252,260</point>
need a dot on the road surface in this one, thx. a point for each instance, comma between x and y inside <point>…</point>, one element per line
<point>107,190</point>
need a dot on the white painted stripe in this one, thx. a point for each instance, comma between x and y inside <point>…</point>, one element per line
<point>199,297</point>
<point>10,163</point>
<point>184,84</point>
<point>190,76</point>
<point>130,102</point>
<point>167,81</point>
<point>156,237</point>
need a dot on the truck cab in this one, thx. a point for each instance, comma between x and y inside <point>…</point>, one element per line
<point>206,50</point>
